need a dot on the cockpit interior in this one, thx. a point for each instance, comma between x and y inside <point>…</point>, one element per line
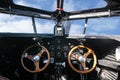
<point>59,56</point>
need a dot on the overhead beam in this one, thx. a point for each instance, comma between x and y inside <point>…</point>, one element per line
<point>94,14</point>
<point>24,13</point>
<point>90,15</point>
<point>8,7</point>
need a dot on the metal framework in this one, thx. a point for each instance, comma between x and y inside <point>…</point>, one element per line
<point>112,9</point>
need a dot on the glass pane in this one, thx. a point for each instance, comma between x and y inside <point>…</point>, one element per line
<point>19,24</point>
<point>104,26</point>
<point>15,24</point>
<point>45,26</point>
<point>40,4</point>
<point>69,5</point>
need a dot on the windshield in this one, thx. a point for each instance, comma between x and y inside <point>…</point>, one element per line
<point>69,5</point>
<point>20,24</point>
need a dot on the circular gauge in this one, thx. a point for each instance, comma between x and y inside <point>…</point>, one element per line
<point>65,54</point>
<point>65,48</point>
<point>52,54</point>
<point>52,47</point>
<point>58,54</point>
<point>59,47</point>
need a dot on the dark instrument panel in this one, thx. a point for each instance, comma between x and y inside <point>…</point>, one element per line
<point>58,47</point>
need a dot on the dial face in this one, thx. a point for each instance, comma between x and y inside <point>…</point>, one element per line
<point>52,54</point>
<point>58,54</point>
<point>59,47</point>
<point>65,48</point>
<point>52,47</point>
<point>65,54</point>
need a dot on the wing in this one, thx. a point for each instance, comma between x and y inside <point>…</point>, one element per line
<point>8,7</point>
<point>112,9</point>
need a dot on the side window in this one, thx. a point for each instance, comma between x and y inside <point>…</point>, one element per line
<point>97,26</point>
<point>15,24</point>
<point>109,26</point>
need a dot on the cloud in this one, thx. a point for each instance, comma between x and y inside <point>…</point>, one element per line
<point>104,25</point>
<point>22,2</point>
<point>11,24</point>
<point>54,6</point>
<point>46,27</point>
<point>76,29</point>
<point>101,3</point>
<point>27,3</point>
<point>24,25</point>
<point>69,5</point>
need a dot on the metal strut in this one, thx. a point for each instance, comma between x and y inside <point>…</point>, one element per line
<point>85,26</point>
<point>34,26</point>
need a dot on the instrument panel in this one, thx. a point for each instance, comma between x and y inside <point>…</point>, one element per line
<point>59,52</point>
<point>59,48</point>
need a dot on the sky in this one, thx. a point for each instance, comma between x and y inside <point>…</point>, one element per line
<point>20,24</point>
